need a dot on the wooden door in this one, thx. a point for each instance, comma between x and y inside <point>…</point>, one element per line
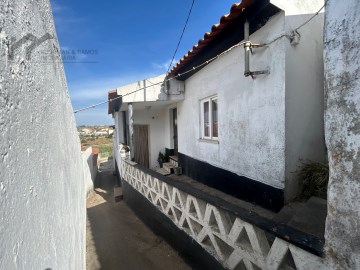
<point>141,145</point>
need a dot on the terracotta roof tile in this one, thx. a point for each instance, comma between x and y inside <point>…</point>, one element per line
<point>235,11</point>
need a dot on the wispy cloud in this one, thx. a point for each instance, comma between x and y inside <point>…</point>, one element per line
<point>92,90</point>
<point>64,17</point>
<point>165,65</point>
<point>96,90</point>
<point>85,93</point>
<point>56,7</point>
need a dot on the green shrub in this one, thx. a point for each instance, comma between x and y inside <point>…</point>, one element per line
<point>105,148</point>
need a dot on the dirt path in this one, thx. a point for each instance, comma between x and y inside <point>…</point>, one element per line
<point>117,239</point>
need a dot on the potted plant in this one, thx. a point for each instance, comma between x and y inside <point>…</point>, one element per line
<point>161,159</point>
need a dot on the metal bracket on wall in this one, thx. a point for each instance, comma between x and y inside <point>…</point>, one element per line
<point>248,46</point>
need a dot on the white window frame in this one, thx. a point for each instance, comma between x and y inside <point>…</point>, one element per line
<point>202,128</point>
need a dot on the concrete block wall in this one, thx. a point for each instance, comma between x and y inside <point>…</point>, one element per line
<point>42,196</point>
<point>228,241</point>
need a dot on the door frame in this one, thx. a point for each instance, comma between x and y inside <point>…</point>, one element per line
<point>175,130</point>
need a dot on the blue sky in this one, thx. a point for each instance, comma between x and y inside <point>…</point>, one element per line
<point>118,42</point>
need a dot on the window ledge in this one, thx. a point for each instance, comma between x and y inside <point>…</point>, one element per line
<point>214,141</point>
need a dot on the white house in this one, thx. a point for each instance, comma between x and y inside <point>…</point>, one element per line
<point>237,118</point>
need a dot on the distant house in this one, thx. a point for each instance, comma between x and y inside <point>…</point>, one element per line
<point>85,132</point>
<point>100,133</point>
<point>243,121</point>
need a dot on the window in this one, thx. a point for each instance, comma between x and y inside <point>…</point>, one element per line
<point>209,118</point>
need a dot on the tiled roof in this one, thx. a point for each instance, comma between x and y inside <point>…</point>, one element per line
<point>235,11</point>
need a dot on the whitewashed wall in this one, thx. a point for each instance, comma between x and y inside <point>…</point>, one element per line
<point>268,124</point>
<point>298,7</point>
<point>159,121</point>
<point>304,97</point>
<point>90,171</point>
<point>151,90</point>
<point>251,112</point>
<point>42,195</point>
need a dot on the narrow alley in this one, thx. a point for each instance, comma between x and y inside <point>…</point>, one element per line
<point>117,239</point>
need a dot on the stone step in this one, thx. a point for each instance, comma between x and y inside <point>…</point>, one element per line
<point>162,171</point>
<point>169,167</point>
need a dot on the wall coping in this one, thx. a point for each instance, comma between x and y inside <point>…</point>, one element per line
<point>219,199</point>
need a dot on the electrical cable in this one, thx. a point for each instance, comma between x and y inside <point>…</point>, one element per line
<point>169,79</point>
<point>297,28</point>
<point>181,36</point>
<point>202,64</point>
<point>149,82</point>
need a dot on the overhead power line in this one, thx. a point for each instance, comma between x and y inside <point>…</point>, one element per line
<point>201,65</point>
<point>181,36</point>
<point>169,79</point>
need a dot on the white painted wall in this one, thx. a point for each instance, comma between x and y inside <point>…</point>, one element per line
<point>148,92</point>
<point>42,195</point>
<point>90,171</point>
<point>159,120</point>
<point>251,112</point>
<point>298,7</point>
<point>267,124</point>
<point>304,99</point>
